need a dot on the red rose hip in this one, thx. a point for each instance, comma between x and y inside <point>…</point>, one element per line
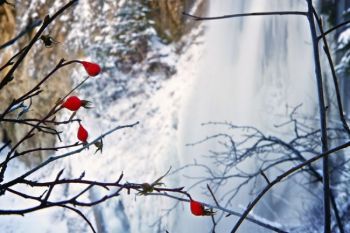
<point>91,68</point>
<point>82,134</point>
<point>72,103</point>
<point>197,208</point>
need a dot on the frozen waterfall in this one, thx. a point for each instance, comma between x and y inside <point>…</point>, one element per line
<point>253,71</point>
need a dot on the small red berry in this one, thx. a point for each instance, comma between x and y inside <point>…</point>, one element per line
<point>82,133</point>
<point>197,208</point>
<point>72,103</point>
<point>92,69</point>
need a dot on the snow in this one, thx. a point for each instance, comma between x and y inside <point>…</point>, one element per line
<point>344,38</point>
<point>142,153</point>
<point>160,91</point>
<point>145,152</point>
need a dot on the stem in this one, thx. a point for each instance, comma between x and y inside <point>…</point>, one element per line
<point>325,151</point>
<point>323,123</point>
<point>21,34</point>
<point>79,85</point>
<point>54,158</point>
<point>198,18</point>
<point>36,89</point>
<point>332,29</point>
<point>334,75</point>
<point>340,108</point>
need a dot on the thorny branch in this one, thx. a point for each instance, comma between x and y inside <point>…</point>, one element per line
<point>46,125</point>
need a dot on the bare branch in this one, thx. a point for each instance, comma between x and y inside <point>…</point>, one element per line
<point>281,177</point>
<point>29,27</point>
<point>245,15</point>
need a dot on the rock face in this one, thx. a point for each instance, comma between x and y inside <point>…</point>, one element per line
<point>37,64</point>
<point>168,18</point>
<point>169,22</point>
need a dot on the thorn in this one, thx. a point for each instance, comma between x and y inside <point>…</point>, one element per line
<point>99,145</point>
<point>82,175</point>
<point>265,177</point>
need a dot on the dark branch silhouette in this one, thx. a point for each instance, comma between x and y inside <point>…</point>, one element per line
<point>199,18</point>
<point>30,27</point>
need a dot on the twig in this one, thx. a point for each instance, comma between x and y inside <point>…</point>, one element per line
<point>46,22</point>
<point>340,107</point>
<point>332,29</point>
<point>10,61</point>
<point>213,196</point>
<point>54,158</point>
<point>265,177</point>
<point>81,215</point>
<point>334,75</point>
<point>35,24</point>
<point>231,212</point>
<point>323,123</point>
<point>217,204</point>
<point>281,177</point>
<point>199,18</point>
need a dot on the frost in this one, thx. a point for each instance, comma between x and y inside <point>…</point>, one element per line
<point>344,38</point>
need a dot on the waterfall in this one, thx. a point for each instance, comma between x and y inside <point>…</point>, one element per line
<point>254,70</point>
